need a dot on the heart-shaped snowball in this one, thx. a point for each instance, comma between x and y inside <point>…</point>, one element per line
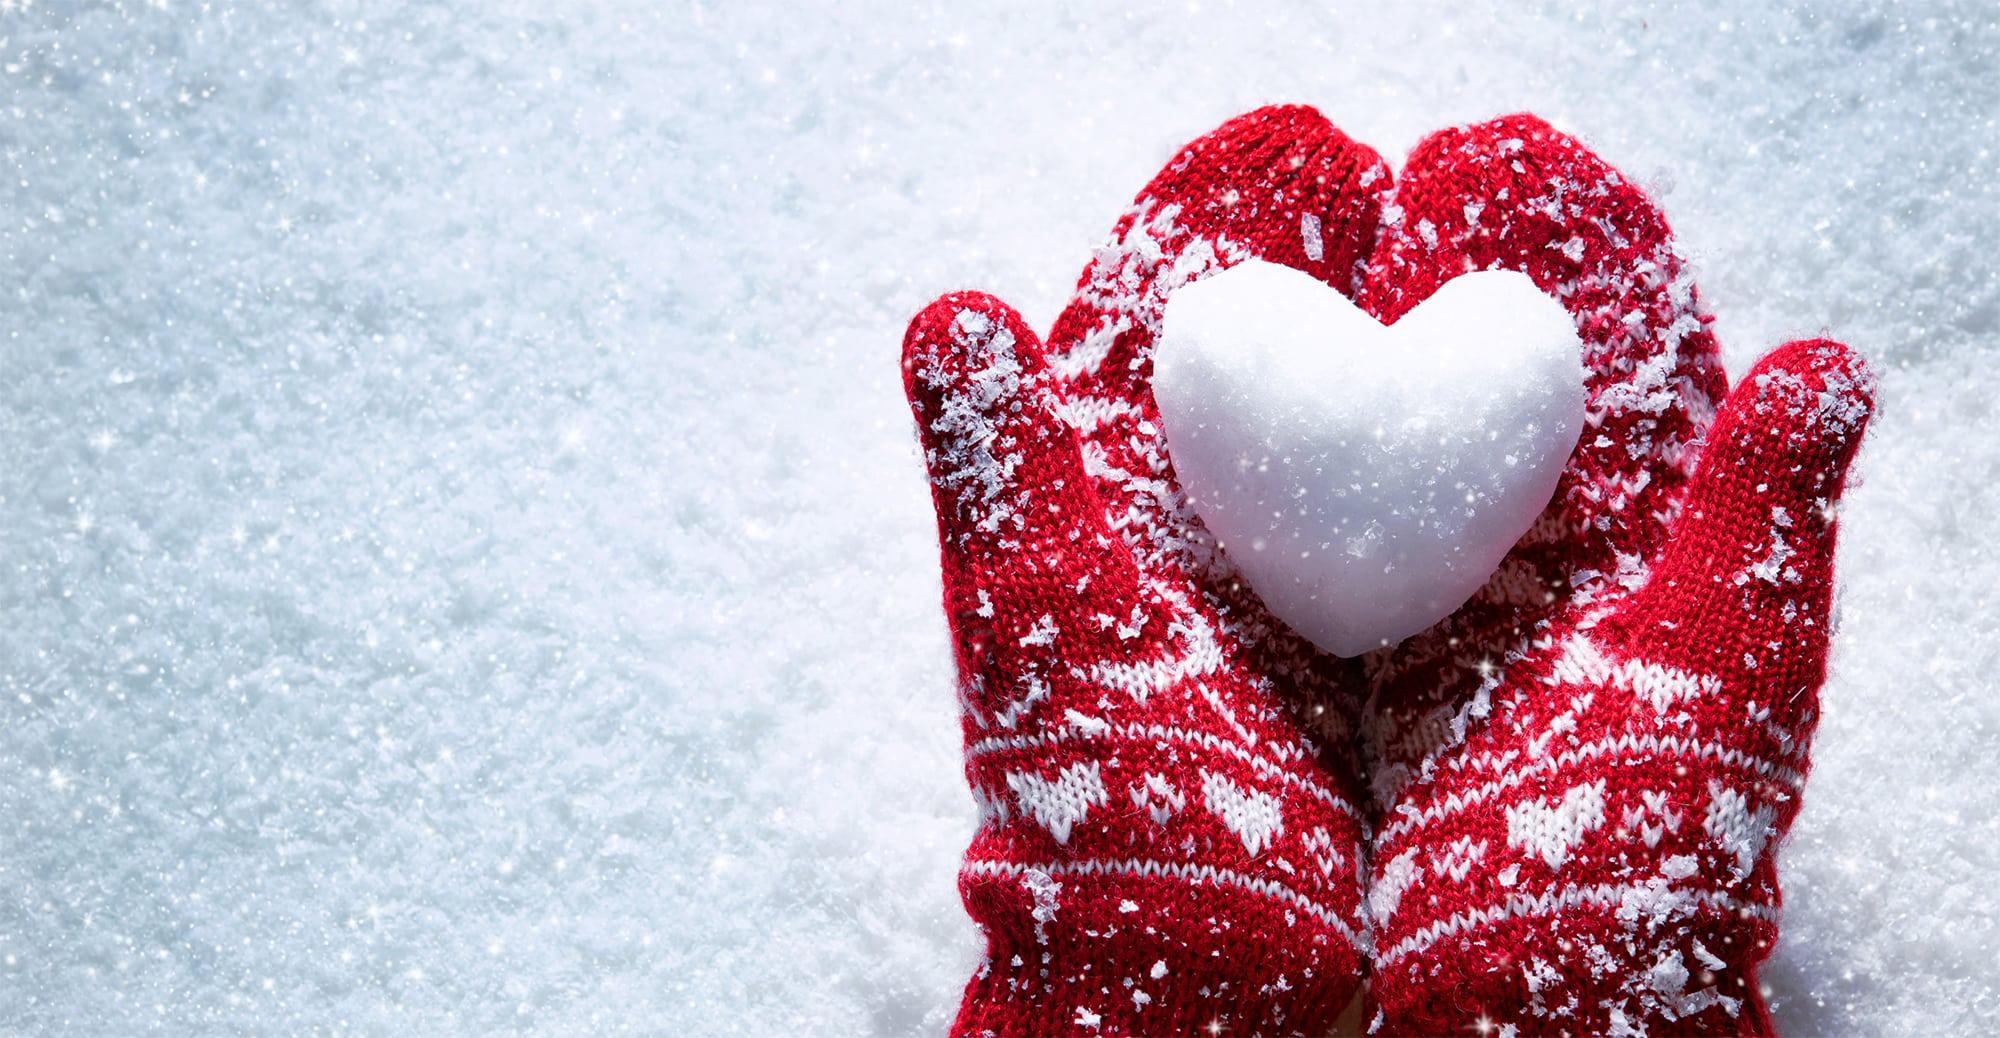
<point>1366,479</point>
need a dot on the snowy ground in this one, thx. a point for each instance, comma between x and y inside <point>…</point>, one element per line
<point>465,567</point>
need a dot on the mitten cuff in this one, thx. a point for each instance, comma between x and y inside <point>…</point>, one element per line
<point>1149,954</point>
<point>1589,970</point>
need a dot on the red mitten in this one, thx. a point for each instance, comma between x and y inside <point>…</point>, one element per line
<point>1582,775</point>
<point>1168,837</point>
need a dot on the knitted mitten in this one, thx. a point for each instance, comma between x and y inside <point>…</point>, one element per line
<point>1582,774</point>
<point>1168,837</point>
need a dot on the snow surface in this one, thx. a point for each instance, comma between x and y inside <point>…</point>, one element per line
<point>465,565</point>
<point>1366,479</point>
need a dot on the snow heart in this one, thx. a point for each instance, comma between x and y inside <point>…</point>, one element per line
<point>1366,479</point>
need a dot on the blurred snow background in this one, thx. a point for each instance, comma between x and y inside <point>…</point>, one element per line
<point>464,563</point>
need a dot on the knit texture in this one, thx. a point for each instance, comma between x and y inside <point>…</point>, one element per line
<point>1580,777</point>
<point>1575,783</point>
<point>1169,836</point>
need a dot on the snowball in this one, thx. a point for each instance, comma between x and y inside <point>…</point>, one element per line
<point>1366,479</point>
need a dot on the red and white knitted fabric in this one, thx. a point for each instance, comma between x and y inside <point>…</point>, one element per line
<point>1583,773</point>
<point>1577,779</point>
<point>1169,837</point>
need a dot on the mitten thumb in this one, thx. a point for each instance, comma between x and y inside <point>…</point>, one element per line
<point>1030,564</point>
<point>1745,584</point>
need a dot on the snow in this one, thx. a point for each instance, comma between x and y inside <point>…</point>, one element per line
<point>465,565</point>
<point>1366,479</point>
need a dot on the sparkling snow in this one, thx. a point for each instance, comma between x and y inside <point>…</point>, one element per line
<point>465,566</point>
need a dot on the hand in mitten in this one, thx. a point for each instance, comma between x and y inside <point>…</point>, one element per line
<point>1583,773</point>
<point>1168,835</point>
